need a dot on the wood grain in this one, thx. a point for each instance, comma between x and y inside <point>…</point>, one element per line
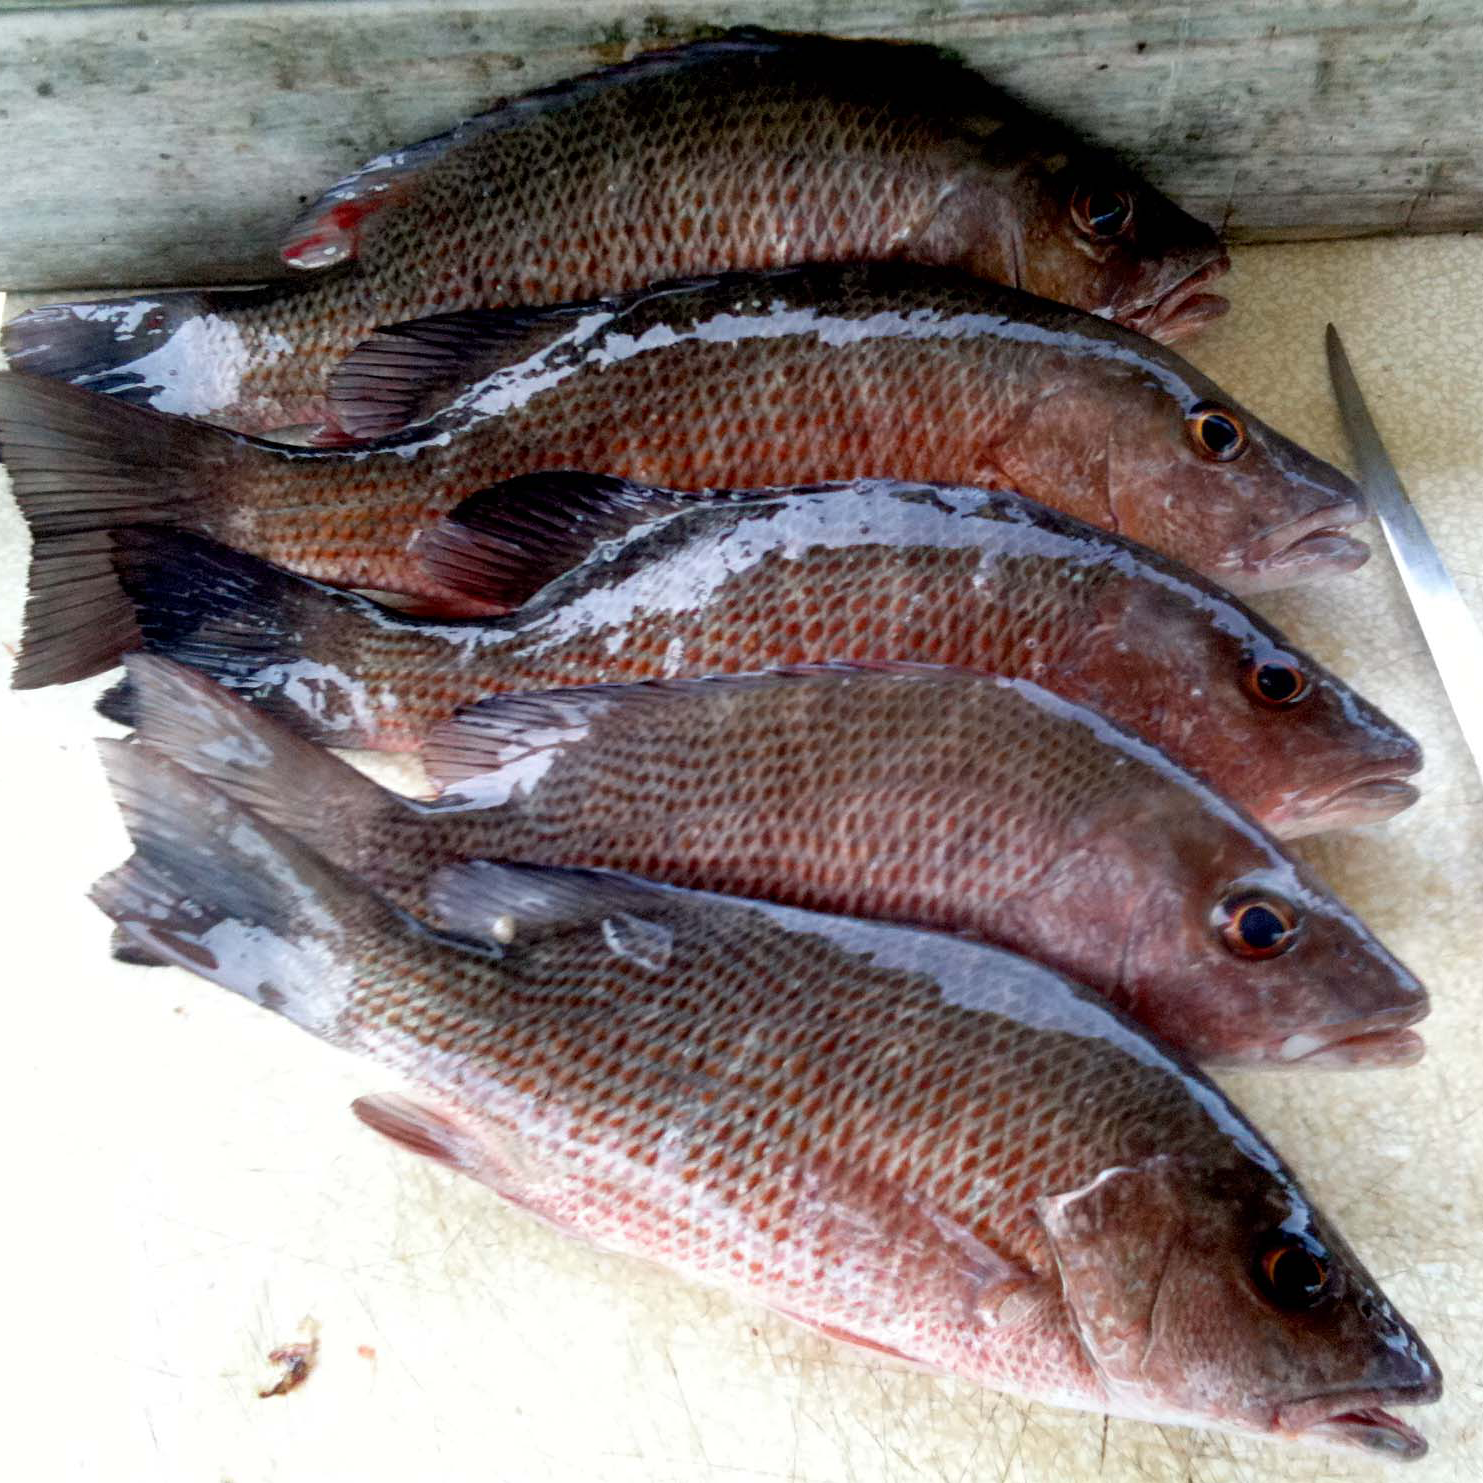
<point>145,144</point>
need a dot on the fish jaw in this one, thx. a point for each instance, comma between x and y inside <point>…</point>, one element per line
<point>1182,310</point>
<point>1370,1041</point>
<point>1379,792</point>
<point>1372,1051</point>
<point>1313,545</point>
<point>1358,1418</point>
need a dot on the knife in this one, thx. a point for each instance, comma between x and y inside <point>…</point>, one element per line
<point>1451,632</point>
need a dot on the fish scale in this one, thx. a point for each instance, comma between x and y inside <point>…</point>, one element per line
<point>882,570</point>
<point>901,1138</point>
<point>751,151</point>
<point>895,792</point>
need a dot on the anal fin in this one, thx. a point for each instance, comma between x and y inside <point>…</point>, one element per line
<point>418,1128</point>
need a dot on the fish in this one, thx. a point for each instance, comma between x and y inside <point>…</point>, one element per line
<point>908,1141</point>
<point>885,570</point>
<point>750,150</point>
<point>797,377</point>
<point>908,793</point>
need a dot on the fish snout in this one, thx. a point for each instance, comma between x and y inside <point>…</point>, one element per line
<point>1401,1372</point>
<point>1310,545</point>
<point>1375,790</point>
<point>1182,307</point>
<point>1377,1034</point>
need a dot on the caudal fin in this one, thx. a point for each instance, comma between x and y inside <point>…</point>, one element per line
<point>269,635</point>
<point>81,464</point>
<point>217,890</point>
<point>114,345</point>
<point>258,761</point>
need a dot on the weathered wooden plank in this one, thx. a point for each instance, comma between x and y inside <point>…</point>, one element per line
<point>145,143</point>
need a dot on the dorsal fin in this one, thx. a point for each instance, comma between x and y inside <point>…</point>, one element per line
<point>503,731</point>
<point>407,372</point>
<point>519,904</point>
<point>507,542</point>
<point>327,231</point>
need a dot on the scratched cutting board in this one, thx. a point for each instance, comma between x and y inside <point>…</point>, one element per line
<point>190,1193</point>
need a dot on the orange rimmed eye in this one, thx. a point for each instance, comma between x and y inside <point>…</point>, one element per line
<point>1275,681</point>
<point>1293,1272</point>
<point>1254,924</point>
<point>1216,432</point>
<point>1101,214</point>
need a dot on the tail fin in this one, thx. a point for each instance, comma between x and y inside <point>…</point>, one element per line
<point>80,464</point>
<point>101,344</point>
<point>253,627</point>
<point>259,762</point>
<point>78,620</point>
<point>84,462</point>
<point>215,889</point>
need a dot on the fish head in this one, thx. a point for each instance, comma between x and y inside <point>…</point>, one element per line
<point>1122,433</point>
<point>1216,1296</point>
<point>1231,950</point>
<point>1070,223</point>
<point>1220,691</point>
<point>1192,473</point>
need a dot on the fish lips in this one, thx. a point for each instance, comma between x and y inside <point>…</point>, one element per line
<point>1183,309</point>
<point>1379,1038</point>
<point>1357,1418</point>
<point>1374,793</point>
<point>1313,545</point>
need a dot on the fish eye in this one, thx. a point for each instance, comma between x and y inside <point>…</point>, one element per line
<point>1275,681</point>
<point>1255,924</point>
<point>1293,1272</point>
<point>1216,432</point>
<point>1101,214</point>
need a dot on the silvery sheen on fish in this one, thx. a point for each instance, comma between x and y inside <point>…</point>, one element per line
<point>881,570</point>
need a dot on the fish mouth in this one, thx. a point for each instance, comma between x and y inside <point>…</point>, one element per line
<point>1358,1418</point>
<point>1382,1037</point>
<point>1312,545</point>
<point>1182,310</point>
<point>1376,794</point>
<point>1366,1050</point>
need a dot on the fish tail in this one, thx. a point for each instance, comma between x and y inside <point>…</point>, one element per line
<point>139,348</point>
<point>213,888</point>
<point>259,762</point>
<point>268,634</point>
<point>81,464</point>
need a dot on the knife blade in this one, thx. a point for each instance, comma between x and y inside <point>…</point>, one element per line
<point>1451,632</point>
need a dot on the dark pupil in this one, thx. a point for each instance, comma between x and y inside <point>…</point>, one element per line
<point>1277,682</point>
<point>1296,1274</point>
<point>1261,928</point>
<point>1219,433</point>
<point>1106,212</point>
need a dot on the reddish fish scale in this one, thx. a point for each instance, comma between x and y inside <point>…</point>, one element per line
<point>753,1116</point>
<point>826,374</point>
<point>707,158</point>
<point>881,605</point>
<point>877,570</point>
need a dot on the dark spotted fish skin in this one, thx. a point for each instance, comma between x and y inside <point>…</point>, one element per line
<point>939,575</point>
<point>905,1139</point>
<point>753,150</point>
<point>905,793</point>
